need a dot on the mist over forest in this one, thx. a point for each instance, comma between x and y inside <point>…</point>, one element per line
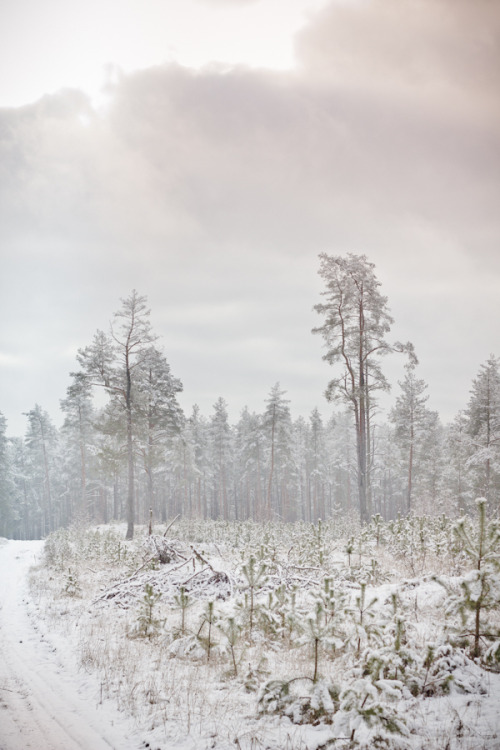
<point>128,451</point>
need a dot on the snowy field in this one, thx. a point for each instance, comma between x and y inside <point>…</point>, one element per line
<point>238,635</point>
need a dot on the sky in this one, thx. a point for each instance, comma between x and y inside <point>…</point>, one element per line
<point>205,152</point>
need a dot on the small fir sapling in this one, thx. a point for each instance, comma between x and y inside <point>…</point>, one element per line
<point>183,602</point>
<point>367,719</point>
<point>362,617</point>
<point>322,627</point>
<point>301,700</point>
<point>378,529</point>
<point>334,605</point>
<point>273,613</point>
<point>254,675</point>
<point>315,631</point>
<point>208,619</point>
<point>147,625</point>
<point>394,659</point>
<point>437,672</point>
<point>479,592</point>
<point>256,578</point>
<point>232,630</point>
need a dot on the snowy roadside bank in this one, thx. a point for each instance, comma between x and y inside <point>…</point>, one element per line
<point>45,702</point>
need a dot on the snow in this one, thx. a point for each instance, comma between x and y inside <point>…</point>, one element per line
<point>45,701</point>
<point>78,671</point>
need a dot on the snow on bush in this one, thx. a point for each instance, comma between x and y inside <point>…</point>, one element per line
<point>285,636</point>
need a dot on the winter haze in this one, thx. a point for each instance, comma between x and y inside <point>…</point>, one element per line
<point>206,152</point>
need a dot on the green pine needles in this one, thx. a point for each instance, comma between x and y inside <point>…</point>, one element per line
<point>478,594</point>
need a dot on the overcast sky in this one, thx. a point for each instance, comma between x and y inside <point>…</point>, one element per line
<point>204,152</point>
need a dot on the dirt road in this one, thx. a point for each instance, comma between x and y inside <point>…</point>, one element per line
<point>45,703</point>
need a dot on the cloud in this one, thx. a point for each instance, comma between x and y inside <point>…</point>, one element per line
<point>11,360</point>
<point>229,3</point>
<point>443,50</point>
<point>213,192</point>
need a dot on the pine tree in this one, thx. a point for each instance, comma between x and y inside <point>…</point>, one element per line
<point>118,363</point>
<point>316,457</point>
<point>456,474</point>
<point>483,416</point>
<point>78,434</point>
<point>409,419</point>
<point>157,417</point>
<point>277,429</point>
<point>221,444</point>
<point>248,465</point>
<point>356,323</point>
<point>42,460</point>
<point>196,435</point>
<point>8,510</point>
<point>480,589</point>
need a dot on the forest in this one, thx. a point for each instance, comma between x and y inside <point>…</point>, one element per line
<point>135,456</point>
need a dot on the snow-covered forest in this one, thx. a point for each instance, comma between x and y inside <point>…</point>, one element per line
<point>127,451</point>
<point>301,583</point>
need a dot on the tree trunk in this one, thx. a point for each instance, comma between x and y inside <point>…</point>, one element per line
<point>410,475</point>
<point>271,470</point>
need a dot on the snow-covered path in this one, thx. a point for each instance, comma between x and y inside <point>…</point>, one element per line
<point>45,704</point>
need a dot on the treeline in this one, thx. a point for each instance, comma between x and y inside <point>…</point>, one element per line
<point>141,456</point>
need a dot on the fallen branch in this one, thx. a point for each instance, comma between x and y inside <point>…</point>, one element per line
<point>198,572</point>
<point>106,594</point>
<point>202,559</point>
<point>171,524</point>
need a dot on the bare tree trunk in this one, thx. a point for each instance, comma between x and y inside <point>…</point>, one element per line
<point>131,479</point>
<point>361,444</point>
<point>271,470</point>
<point>47,481</point>
<point>410,475</point>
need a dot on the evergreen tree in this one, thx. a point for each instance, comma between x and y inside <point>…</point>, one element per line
<point>317,463</point>
<point>248,464</point>
<point>8,510</point>
<point>27,521</point>
<point>221,449</point>
<point>277,426</point>
<point>157,417</point>
<point>196,434</point>
<point>42,468</point>
<point>118,363</point>
<point>409,416</point>
<point>456,474</point>
<point>430,459</point>
<point>483,416</point>
<point>356,323</point>
<point>78,435</point>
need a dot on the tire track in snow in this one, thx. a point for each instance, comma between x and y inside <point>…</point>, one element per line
<point>41,706</point>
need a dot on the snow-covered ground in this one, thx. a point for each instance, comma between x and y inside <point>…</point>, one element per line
<point>46,702</point>
<point>104,645</point>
